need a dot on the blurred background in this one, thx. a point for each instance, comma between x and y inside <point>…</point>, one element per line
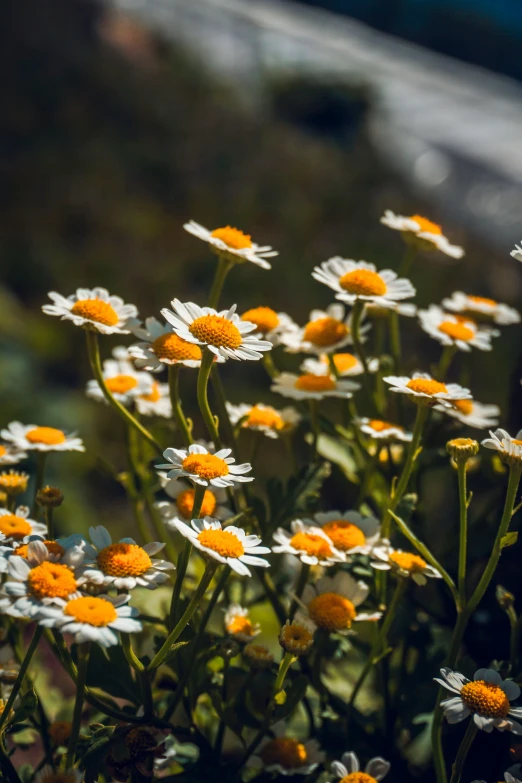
<point>299,124</point>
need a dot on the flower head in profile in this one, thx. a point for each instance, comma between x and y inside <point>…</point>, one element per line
<point>326,331</point>
<point>32,437</point>
<point>10,455</point>
<point>349,770</point>
<point>308,542</point>
<point>472,413</point>
<point>404,564</point>
<point>286,755</point>
<point>239,625</point>
<point>481,309</point>
<point>161,346</point>
<point>202,467</point>
<point>155,402</point>
<point>264,418</point>
<point>213,504</point>
<point>92,618</point>
<point>350,532</point>
<point>94,309</point>
<point>331,603</point>
<point>297,635</point>
<point>517,253</point>
<point>231,546</point>
<point>224,333</point>
<point>270,325</point>
<point>123,565</point>
<point>422,233</point>
<point>487,698</point>
<point>452,330</point>
<point>425,390</point>
<point>312,387</point>
<point>17,525</point>
<point>379,429</point>
<point>233,244</point>
<point>346,365</point>
<point>359,280</point>
<point>123,381</point>
<point>509,449</point>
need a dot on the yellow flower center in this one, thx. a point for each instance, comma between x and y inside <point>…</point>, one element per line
<point>426,386</point>
<point>482,300</point>
<point>216,330</point>
<point>264,318</point>
<point>154,395</point>
<point>285,751</point>
<point>311,544</point>
<point>96,310</point>
<point>3,450</point>
<point>408,562</point>
<point>232,237</point>
<point>60,731</point>
<point>426,225</point>
<point>381,426</point>
<point>223,542</point>
<point>51,580</point>
<point>14,481</point>
<point>357,777</point>
<point>325,331</point>
<point>363,282</point>
<point>464,406</point>
<point>48,435</point>
<point>344,535</point>
<point>174,349</point>
<point>332,611</point>
<point>264,417</point>
<point>14,527</point>
<point>296,636</point>
<point>52,547</point>
<point>344,362</point>
<point>120,384</point>
<point>206,466</point>
<point>486,699</point>
<point>91,610</point>
<point>314,383</point>
<point>123,560</point>
<point>185,503</point>
<point>240,625</point>
<point>457,331</point>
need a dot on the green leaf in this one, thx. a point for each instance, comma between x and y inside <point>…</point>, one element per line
<point>294,694</point>
<point>27,706</point>
<point>339,452</point>
<point>173,650</point>
<point>509,539</point>
<point>109,671</point>
<point>301,492</point>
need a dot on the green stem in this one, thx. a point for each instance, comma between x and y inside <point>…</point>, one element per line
<point>38,631</point>
<point>395,340</point>
<point>7,767</point>
<point>142,674</point>
<point>268,364</point>
<point>49,521</point>
<point>224,267</point>
<point>218,745</point>
<point>272,595</point>
<point>313,406</point>
<point>465,745</point>
<point>184,557</point>
<point>185,618</point>
<point>301,584</point>
<point>357,313</point>
<point>514,638</point>
<point>445,361</point>
<point>405,266</point>
<point>182,423</point>
<point>463,541</point>
<point>207,361</point>
<point>93,349</point>
<point>83,660</point>
<point>40,472</point>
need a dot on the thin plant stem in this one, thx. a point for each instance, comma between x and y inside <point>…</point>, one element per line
<point>6,765</point>
<point>210,420</point>
<point>357,313</point>
<point>463,538</point>
<point>224,267</point>
<point>38,631</point>
<point>407,261</point>
<point>49,521</point>
<point>465,745</point>
<point>300,586</point>
<point>514,638</point>
<point>218,745</point>
<point>272,595</point>
<point>184,557</point>
<point>182,422</point>
<point>268,364</point>
<point>141,673</point>
<point>185,618</point>
<point>314,425</point>
<point>395,340</point>
<point>445,361</point>
<point>41,458</point>
<point>83,660</point>
<point>93,349</point>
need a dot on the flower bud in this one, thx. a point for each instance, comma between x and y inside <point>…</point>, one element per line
<point>505,599</point>
<point>297,637</point>
<point>258,656</point>
<point>13,482</point>
<point>49,497</point>
<point>462,449</point>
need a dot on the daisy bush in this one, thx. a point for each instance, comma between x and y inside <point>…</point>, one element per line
<point>269,617</point>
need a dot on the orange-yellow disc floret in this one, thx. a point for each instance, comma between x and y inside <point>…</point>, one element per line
<point>264,417</point>
<point>121,384</point>
<point>332,611</point>
<point>232,237</point>
<point>206,466</point>
<point>240,624</point>
<point>285,751</point>
<point>223,542</point>
<point>408,562</point>
<point>53,547</point>
<point>123,560</point>
<point>314,383</point>
<point>96,310</point>
<point>464,406</point>
<point>47,435</point>
<point>485,698</point>
<point>171,348</point>
<point>344,362</point>
<point>51,580</point>
<point>325,331</point>
<point>457,331</point>
<point>363,282</point>
<point>357,777</point>
<point>216,330</point>
<point>154,395</point>
<point>264,318</point>
<point>426,226</point>
<point>345,535</point>
<point>381,426</point>
<point>311,544</point>
<point>185,503</point>
<point>427,386</point>
<point>14,527</point>
<point>91,610</point>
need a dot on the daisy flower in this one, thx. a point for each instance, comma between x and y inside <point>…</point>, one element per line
<point>92,618</point>
<point>481,308</point>
<point>93,309</point>
<point>202,467</point>
<point>123,565</point>
<point>472,413</point>
<point>487,697</point>
<point>509,449</point>
<point>405,564</point>
<point>453,330</point>
<point>312,387</point>
<point>517,253</point>
<point>122,380</point>
<point>353,280</point>
<point>263,418</point>
<point>48,774</point>
<point>297,636</point>
<point>17,525</point>
<point>331,603</point>
<point>231,547</point>
<point>223,333</point>
<point>351,532</point>
<point>425,390</point>
<point>13,482</point>
<point>213,504</point>
<point>161,346</point>
<point>349,770</point>
<point>285,755</point>
<point>326,331</point>
<point>232,244</point>
<point>10,455</point>
<point>31,437</point>
<point>269,324</point>
<point>422,232</point>
<point>54,550</point>
<point>239,625</point>
<point>378,429</point>
<point>346,365</point>
<point>308,542</point>
<point>155,402</point>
